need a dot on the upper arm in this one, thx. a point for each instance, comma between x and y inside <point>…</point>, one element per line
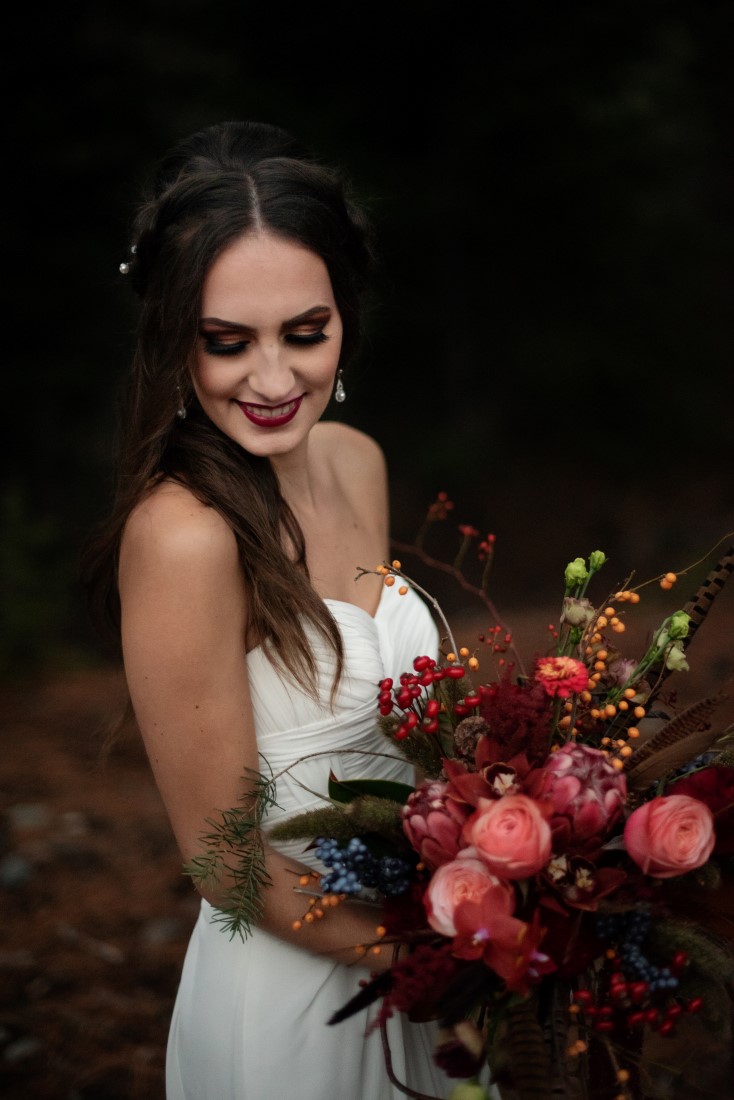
<point>183,636</point>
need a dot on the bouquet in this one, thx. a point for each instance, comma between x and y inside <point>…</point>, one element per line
<point>555,889</point>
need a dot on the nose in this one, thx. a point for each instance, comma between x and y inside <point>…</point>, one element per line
<point>271,379</point>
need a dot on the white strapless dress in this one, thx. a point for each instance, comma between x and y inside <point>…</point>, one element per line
<point>250,1021</point>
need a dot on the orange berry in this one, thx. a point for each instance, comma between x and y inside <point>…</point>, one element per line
<point>623,1076</point>
<point>473,664</point>
<point>627,750</point>
<point>403,589</point>
<point>309,918</point>
<point>565,723</point>
<point>304,880</point>
<point>389,580</point>
<point>620,742</point>
<point>630,693</point>
<point>623,704</point>
<point>665,585</point>
<point>610,612</point>
<point>633,732</point>
<point>606,740</point>
<point>602,655</point>
<point>585,697</point>
<point>618,764</point>
<point>610,710</point>
<point>318,913</point>
<point>463,652</point>
<point>361,949</point>
<point>297,926</point>
<point>671,578</point>
<point>381,930</point>
<point>589,650</point>
<point>639,712</point>
<point>382,570</point>
<point>601,622</point>
<point>376,950</point>
<point>450,657</point>
<point>619,628</point>
<point>595,713</point>
<point>599,666</point>
<point>634,597</point>
<point>573,1011</point>
<point>397,565</point>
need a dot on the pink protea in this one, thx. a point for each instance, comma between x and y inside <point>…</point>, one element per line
<point>433,822</point>
<point>587,795</point>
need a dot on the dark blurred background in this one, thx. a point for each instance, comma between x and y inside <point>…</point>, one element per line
<point>552,187</point>
<point>551,344</point>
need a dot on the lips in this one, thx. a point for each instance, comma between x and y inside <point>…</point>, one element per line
<point>271,416</point>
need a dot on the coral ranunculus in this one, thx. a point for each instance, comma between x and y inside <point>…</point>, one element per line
<point>670,835</point>
<point>458,882</point>
<point>587,794</point>
<point>562,676</point>
<point>511,835</point>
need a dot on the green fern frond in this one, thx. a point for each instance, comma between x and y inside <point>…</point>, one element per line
<point>234,851</point>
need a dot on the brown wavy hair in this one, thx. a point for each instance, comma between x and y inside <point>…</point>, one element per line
<point>215,186</point>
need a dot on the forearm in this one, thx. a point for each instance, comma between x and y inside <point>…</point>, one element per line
<point>337,935</point>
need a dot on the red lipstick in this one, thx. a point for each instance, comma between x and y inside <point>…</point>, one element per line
<point>271,416</point>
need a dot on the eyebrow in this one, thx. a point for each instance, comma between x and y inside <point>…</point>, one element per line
<point>300,319</point>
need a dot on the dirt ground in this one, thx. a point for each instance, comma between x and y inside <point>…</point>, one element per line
<point>96,913</point>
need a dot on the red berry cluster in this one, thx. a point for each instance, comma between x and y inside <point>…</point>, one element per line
<point>628,1004</point>
<point>410,698</point>
<point>440,507</point>
<point>486,547</point>
<point>491,639</point>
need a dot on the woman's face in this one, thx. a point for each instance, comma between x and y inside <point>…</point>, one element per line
<point>269,342</point>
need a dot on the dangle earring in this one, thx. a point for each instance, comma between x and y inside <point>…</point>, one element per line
<point>339,392</point>
<point>181,411</point>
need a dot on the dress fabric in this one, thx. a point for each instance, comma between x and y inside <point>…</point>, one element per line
<point>250,1021</point>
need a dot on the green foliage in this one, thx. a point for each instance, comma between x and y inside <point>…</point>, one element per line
<point>234,858</point>
<point>366,816</point>
<point>347,790</point>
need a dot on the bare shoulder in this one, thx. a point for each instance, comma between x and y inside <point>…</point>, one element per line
<point>171,526</point>
<point>351,453</point>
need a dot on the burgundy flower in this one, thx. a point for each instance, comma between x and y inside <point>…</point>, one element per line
<point>715,787</point>
<point>587,793</point>
<point>433,822</point>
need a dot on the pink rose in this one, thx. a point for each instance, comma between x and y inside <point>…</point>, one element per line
<point>511,835</point>
<point>670,835</point>
<point>457,882</point>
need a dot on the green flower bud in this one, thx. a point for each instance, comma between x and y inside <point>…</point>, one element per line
<point>678,625</point>
<point>675,659</point>
<point>596,560</point>
<point>576,573</point>
<point>468,1090</point>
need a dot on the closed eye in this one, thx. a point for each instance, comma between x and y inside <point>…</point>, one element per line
<point>306,338</point>
<point>219,347</point>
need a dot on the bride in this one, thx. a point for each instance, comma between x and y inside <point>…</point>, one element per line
<point>228,567</point>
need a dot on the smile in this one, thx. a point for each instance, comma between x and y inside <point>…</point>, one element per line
<point>271,416</point>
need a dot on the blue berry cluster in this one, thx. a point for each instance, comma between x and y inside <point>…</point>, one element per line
<point>629,931</point>
<point>354,867</point>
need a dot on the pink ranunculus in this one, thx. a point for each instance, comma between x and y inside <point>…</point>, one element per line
<point>511,835</point>
<point>670,835</point>
<point>587,795</point>
<point>432,822</point>
<point>457,882</point>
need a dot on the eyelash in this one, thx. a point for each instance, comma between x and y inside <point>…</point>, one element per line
<point>213,347</point>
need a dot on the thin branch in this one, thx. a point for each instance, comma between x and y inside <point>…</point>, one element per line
<point>458,576</point>
<point>405,1089</point>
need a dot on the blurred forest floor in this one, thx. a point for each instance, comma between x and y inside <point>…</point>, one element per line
<point>96,910</point>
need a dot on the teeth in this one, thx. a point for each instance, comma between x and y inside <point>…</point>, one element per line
<point>269,414</point>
